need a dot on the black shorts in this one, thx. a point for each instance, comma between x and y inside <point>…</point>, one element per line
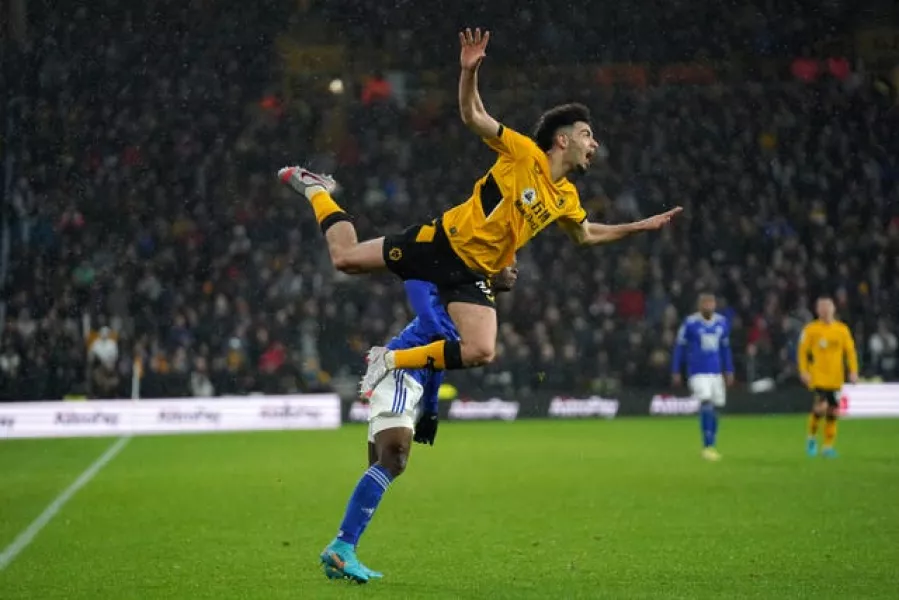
<point>832,397</point>
<point>423,252</point>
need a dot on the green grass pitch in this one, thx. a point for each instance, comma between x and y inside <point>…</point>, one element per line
<point>540,509</point>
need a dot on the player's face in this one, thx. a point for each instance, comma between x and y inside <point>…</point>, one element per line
<point>581,147</point>
<point>707,305</point>
<point>825,309</point>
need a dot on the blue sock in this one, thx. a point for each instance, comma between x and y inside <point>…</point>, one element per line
<point>363,503</point>
<point>714,426</point>
<point>707,422</point>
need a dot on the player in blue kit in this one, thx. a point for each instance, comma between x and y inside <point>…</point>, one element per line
<point>703,341</point>
<point>403,410</point>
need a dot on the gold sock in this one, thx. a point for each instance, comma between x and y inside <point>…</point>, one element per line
<point>421,357</point>
<point>324,206</point>
<point>830,432</point>
<point>813,425</point>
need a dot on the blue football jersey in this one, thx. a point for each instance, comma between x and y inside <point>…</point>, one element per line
<point>704,345</point>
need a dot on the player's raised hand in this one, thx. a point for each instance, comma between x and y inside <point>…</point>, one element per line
<point>474,47</point>
<point>660,220</point>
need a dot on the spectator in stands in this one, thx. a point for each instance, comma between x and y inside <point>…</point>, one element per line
<point>104,349</point>
<point>883,351</point>
<point>200,385</point>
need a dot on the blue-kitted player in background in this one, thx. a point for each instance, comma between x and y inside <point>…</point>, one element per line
<point>703,342</point>
<point>403,410</point>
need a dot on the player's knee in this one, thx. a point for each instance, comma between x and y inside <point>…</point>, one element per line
<point>394,458</point>
<point>372,454</point>
<point>478,354</point>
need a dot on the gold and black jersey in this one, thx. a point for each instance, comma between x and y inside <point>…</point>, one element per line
<point>826,350</point>
<point>514,201</point>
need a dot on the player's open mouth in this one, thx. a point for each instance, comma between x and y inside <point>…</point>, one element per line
<point>590,156</point>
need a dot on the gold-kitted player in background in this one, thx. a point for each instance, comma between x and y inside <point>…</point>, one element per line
<point>826,352</point>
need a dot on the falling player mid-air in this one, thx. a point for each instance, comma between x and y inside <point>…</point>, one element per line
<point>703,341</point>
<point>403,410</point>
<point>524,192</point>
<point>826,349</point>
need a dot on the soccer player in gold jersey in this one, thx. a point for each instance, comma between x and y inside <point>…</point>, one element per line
<point>524,192</point>
<point>826,352</point>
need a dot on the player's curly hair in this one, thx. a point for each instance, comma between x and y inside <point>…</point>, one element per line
<point>555,118</point>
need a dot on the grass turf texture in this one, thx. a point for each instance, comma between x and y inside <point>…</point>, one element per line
<point>586,509</point>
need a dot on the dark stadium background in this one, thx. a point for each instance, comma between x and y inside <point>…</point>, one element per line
<point>140,142</point>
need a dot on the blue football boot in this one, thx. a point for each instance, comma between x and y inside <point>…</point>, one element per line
<point>341,556</point>
<point>811,447</point>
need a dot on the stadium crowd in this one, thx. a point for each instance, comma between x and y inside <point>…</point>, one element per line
<point>537,32</point>
<point>148,229</point>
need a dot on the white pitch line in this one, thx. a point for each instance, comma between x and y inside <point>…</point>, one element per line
<point>28,535</point>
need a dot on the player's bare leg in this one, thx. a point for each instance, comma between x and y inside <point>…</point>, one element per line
<point>477,329</point>
<point>391,451</point>
<point>347,254</point>
<point>387,459</point>
<point>372,454</point>
<point>476,347</point>
<point>392,447</point>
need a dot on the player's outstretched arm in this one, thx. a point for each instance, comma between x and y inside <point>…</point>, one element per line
<point>592,234</point>
<point>471,108</point>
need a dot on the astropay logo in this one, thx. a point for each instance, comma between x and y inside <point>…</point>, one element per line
<point>85,418</point>
<point>494,408</point>
<point>594,406</point>
<point>175,415</point>
<point>673,405</point>
<point>288,411</point>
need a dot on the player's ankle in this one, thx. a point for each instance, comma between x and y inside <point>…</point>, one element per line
<point>312,191</point>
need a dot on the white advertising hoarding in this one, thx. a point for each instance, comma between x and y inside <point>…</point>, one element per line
<point>870,400</point>
<point>181,415</point>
